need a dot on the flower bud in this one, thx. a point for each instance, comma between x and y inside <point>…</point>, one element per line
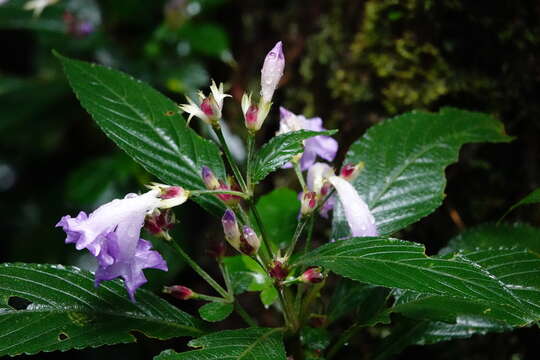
<point>209,179</point>
<point>231,200</point>
<point>180,292</point>
<point>249,241</point>
<point>277,271</point>
<point>312,275</point>
<point>309,202</point>
<point>170,196</point>
<point>350,172</point>
<point>272,71</point>
<point>159,223</point>
<point>230,229</point>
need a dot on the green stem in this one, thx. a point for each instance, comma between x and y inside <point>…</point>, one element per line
<point>297,233</point>
<point>232,163</point>
<point>345,336</point>
<point>244,315</point>
<point>299,175</point>
<point>198,269</point>
<point>268,255</point>
<point>230,192</point>
<point>250,149</point>
<point>312,294</point>
<point>211,298</point>
<point>227,278</point>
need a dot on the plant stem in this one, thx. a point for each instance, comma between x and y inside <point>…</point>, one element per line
<point>244,315</point>
<point>250,149</point>
<point>312,294</point>
<point>212,298</point>
<point>345,336</point>
<point>232,163</point>
<point>198,269</point>
<point>298,171</point>
<point>260,225</point>
<point>296,236</point>
<point>230,192</point>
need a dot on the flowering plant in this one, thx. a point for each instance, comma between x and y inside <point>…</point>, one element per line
<point>486,279</point>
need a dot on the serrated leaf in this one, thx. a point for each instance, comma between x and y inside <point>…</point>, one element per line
<point>147,126</point>
<point>279,211</point>
<point>532,198</point>
<point>216,311</point>
<point>66,311</point>
<point>488,236</point>
<point>500,284</point>
<point>405,157</point>
<point>245,344</point>
<point>279,150</point>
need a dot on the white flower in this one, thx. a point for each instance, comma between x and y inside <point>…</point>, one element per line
<point>272,71</point>
<point>210,107</point>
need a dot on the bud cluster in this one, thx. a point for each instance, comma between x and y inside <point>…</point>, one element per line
<point>213,183</point>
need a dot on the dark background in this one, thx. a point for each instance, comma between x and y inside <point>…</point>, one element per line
<point>353,63</point>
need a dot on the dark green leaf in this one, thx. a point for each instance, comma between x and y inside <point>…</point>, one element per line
<point>532,198</point>
<point>279,150</point>
<point>244,344</point>
<point>500,284</point>
<point>314,338</point>
<point>494,236</point>
<point>279,213</point>
<point>63,310</point>
<point>216,311</point>
<point>147,126</point>
<point>405,157</point>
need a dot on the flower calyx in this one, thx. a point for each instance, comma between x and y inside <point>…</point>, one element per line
<point>159,222</point>
<point>209,107</point>
<point>180,292</point>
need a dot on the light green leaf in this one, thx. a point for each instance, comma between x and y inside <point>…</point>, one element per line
<point>279,213</point>
<point>269,295</point>
<point>502,284</point>
<point>279,150</point>
<point>405,157</point>
<point>147,126</point>
<point>246,274</point>
<point>216,311</point>
<point>58,308</point>
<point>532,198</point>
<point>244,344</point>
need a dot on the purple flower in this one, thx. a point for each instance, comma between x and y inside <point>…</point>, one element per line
<point>357,213</point>
<point>322,146</point>
<point>112,234</point>
<point>272,71</point>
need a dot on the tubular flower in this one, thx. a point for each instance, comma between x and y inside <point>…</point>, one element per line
<point>317,181</point>
<point>209,109</point>
<point>112,234</point>
<point>272,71</point>
<point>322,145</point>
<point>357,213</point>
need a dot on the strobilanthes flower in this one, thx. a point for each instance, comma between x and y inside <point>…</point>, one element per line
<point>112,234</point>
<point>272,71</point>
<point>322,145</point>
<point>209,108</point>
<point>230,229</point>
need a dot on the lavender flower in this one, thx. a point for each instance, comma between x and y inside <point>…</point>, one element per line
<point>112,234</point>
<point>272,71</point>
<point>322,146</point>
<point>357,213</point>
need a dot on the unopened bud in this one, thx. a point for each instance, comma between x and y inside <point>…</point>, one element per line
<point>249,241</point>
<point>170,196</point>
<point>312,275</point>
<point>180,292</point>
<point>159,223</point>
<point>251,118</point>
<point>272,71</point>
<point>230,229</point>
<point>206,107</point>
<point>350,172</point>
<point>231,200</point>
<point>277,271</point>
<point>309,202</point>
<point>210,180</point>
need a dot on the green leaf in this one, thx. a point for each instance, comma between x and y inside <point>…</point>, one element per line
<point>268,295</point>
<point>316,339</point>
<point>532,198</point>
<point>216,311</point>
<point>207,39</point>
<point>502,284</point>
<point>245,344</point>
<point>279,150</point>
<point>279,213</point>
<point>59,309</point>
<point>405,157</point>
<point>147,126</point>
<point>487,236</point>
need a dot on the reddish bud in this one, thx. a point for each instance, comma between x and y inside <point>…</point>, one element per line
<point>180,292</point>
<point>350,172</point>
<point>309,202</point>
<point>206,107</point>
<point>277,271</point>
<point>312,275</point>
<point>160,222</point>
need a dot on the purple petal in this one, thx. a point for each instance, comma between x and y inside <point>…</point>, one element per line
<point>324,146</point>
<point>308,158</point>
<point>313,124</point>
<point>328,205</point>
